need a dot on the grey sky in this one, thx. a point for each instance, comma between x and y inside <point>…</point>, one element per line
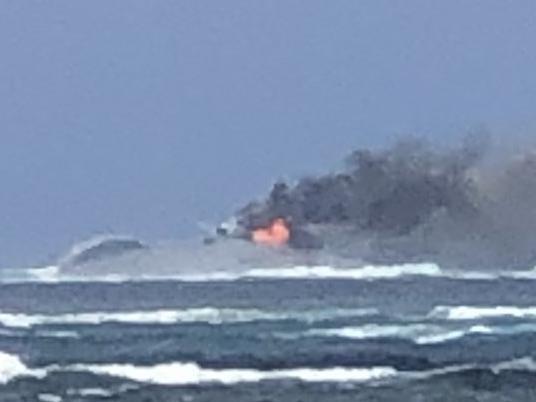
<point>144,117</point>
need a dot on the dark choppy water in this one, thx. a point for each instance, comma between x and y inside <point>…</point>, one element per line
<point>410,338</point>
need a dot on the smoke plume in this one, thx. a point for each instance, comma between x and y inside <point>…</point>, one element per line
<point>412,203</point>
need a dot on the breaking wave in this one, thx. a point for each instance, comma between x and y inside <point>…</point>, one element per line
<point>192,374</point>
<point>415,330</point>
<point>459,313</point>
<point>189,373</point>
<point>15,332</point>
<point>363,273</point>
<point>91,392</point>
<point>11,367</point>
<point>420,334</point>
<point>53,274</point>
<point>49,398</point>
<point>207,315</point>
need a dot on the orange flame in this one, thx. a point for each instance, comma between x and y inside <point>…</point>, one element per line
<point>277,234</point>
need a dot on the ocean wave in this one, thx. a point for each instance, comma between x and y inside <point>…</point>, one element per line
<point>366,272</point>
<point>522,364</point>
<point>179,373</point>
<point>57,334</point>
<point>48,274</point>
<point>91,392</point>
<point>420,334</point>
<point>460,313</point>
<point>55,274</point>
<point>49,398</point>
<point>18,333</point>
<point>7,333</point>
<point>11,366</point>
<point>191,374</point>
<point>378,272</point>
<point>105,393</point>
<point>209,315</point>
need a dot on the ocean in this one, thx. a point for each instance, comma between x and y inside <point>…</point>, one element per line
<point>409,333</point>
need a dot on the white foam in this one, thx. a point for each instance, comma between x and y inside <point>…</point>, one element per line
<point>479,312</point>
<point>529,274</point>
<point>10,333</point>
<point>49,398</point>
<point>447,335</point>
<point>371,331</point>
<point>46,274</point>
<point>54,274</point>
<point>24,275</point>
<point>472,275</point>
<point>99,392</point>
<point>366,272</point>
<point>18,333</point>
<point>441,337</point>
<point>375,272</point>
<point>208,315</point>
<point>179,373</point>
<point>421,334</point>
<point>57,334</point>
<point>524,364</point>
<point>191,373</point>
<point>11,367</point>
<point>369,272</point>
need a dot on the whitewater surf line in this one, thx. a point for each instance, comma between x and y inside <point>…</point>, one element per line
<point>209,315</point>
<point>54,274</point>
<point>460,313</point>
<point>420,334</point>
<point>189,373</point>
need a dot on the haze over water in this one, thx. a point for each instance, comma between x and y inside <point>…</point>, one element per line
<point>404,272</point>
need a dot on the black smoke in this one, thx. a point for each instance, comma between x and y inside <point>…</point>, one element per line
<point>413,203</point>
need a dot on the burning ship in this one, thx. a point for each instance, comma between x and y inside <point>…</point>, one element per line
<point>409,203</point>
